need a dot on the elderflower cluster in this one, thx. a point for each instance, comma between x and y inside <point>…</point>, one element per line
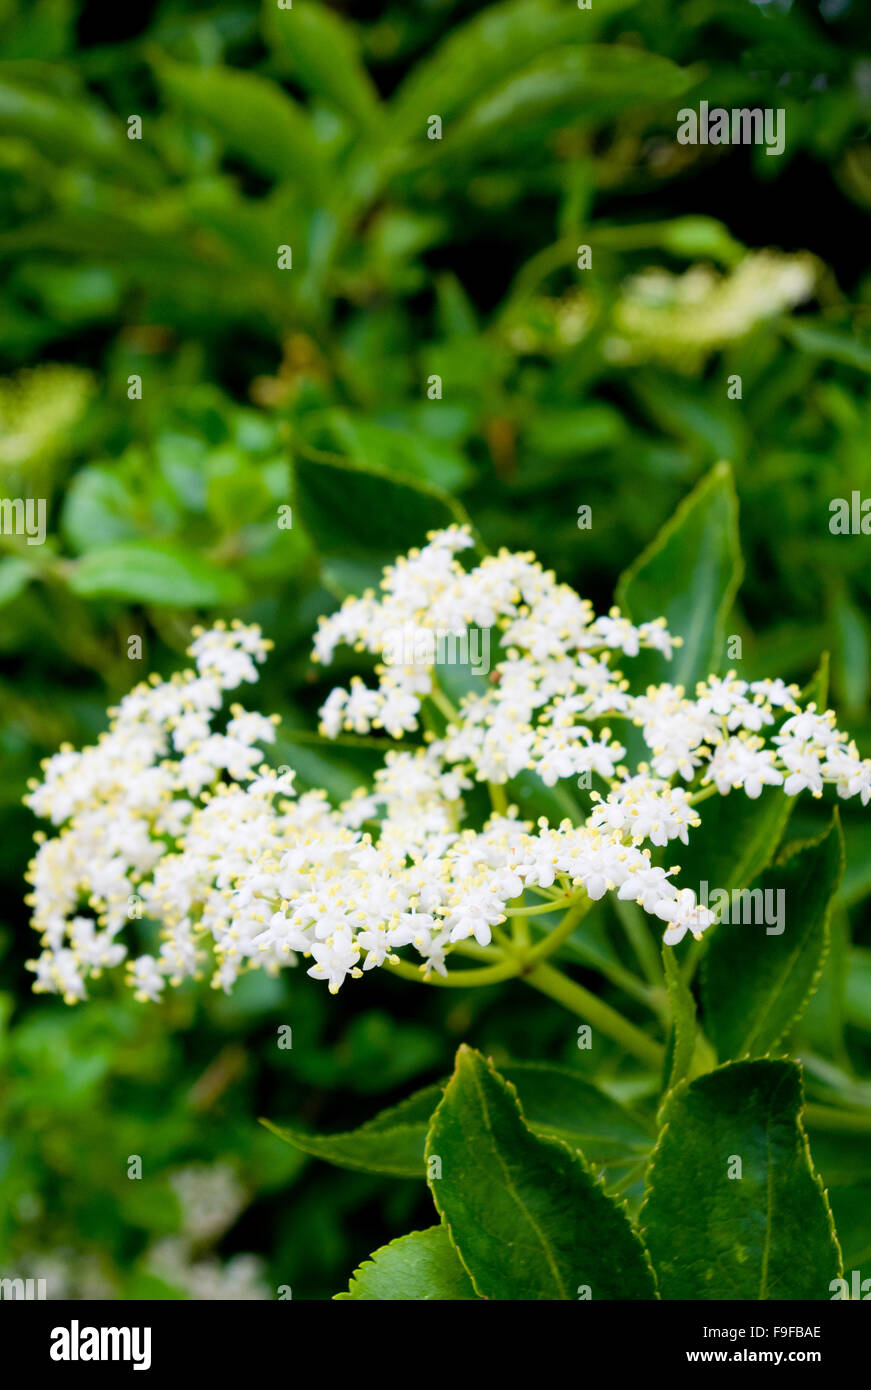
<point>672,317</point>
<point>175,834</point>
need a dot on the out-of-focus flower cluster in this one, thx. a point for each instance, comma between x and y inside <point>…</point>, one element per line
<point>211,1198</point>
<point>169,825</point>
<point>667,317</point>
<point>659,316</point>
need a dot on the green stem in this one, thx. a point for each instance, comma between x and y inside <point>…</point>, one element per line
<point>695,797</point>
<point>529,966</point>
<point>595,1012</point>
<point>635,1174</point>
<point>443,704</point>
<point>642,943</point>
<point>522,939</point>
<point>488,954</point>
<point>514,960</point>
<point>656,1000</point>
<point>456,979</point>
<point>550,905</point>
<point>503,941</point>
<point>554,939</point>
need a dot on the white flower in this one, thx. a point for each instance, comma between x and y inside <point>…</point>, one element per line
<point>683,914</point>
<point>744,762</point>
<point>173,815</point>
<point>334,959</point>
<point>146,979</point>
<point>647,885</point>
<point>479,910</point>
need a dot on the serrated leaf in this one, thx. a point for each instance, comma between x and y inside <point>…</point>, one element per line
<point>821,1027</point>
<point>766,1234</point>
<point>393,1142</point>
<point>757,979</point>
<point>557,1102</point>
<point>149,572</point>
<point>682,1008</point>
<point>689,575</point>
<point>420,1266</point>
<point>843,1160</point>
<point>525,1213</point>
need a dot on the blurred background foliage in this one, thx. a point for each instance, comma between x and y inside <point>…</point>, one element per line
<point>157,260</point>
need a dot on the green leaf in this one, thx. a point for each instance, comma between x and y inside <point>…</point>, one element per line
<point>843,1161</point>
<point>254,118</point>
<point>150,572</point>
<point>577,430</point>
<point>856,883</point>
<point>558,88</point>
<point>360,518</point>
<point>393,1142</point>
<point>739,835</point>
<point>422,1265</point>
<point>15,575</point>
<point>820,340</point>
<point>474,56</point>
<point>757,980</point>
<point>404,455</point>
<point>737,838</point>
<point>317,47</point>
<point>70,131</point>
<point>98,510</point>
<point>489,48</point>
<point>821,1027</point>
<point>320,764</point>
<point>709,426</point>
<point>689,575</point>
<point>766,1234</point>
<point>557,1102</point>
<point>853,669</point>
<point>857,1001</point>
<point>682,1008</point>
<point>525,1213</point>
